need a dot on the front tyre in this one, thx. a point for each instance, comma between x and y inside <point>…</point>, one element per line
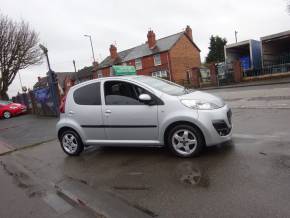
<point>71,143</point>
<point>185,140</point>
<point>7,114</point>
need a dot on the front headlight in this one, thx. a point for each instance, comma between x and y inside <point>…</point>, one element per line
<point>13,107</point>
<point>198,104</point>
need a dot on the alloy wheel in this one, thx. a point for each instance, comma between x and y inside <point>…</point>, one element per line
<point>7,115</point>
<point>69,143</point>
<point>184,141</point>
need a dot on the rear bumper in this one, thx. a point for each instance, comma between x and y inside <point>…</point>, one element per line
<point>216,125</point>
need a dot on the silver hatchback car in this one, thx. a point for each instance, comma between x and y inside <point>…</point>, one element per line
<point>142,111</point>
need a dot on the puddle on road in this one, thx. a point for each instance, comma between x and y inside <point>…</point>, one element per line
<point>189,174</point>
<point>284,161</point>
<point>233,99</point>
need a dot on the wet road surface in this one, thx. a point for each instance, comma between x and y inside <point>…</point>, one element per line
<point>27,130</point>
<point>20,197</point>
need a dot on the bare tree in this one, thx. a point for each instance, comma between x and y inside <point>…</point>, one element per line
<point>18,50</point>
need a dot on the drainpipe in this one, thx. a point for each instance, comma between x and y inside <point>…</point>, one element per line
<point>169,67</point>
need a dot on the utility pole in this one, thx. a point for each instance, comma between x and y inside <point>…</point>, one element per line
<point>90,37</point>
<point>20,81</point>
<point>52,81</point>
<point>236,36</point>
<point>74,63</point>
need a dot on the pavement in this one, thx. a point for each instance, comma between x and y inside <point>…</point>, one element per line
<point>246,177</point>
<point>256,97</point>
<point>27,130</point>
<point>272,81</point>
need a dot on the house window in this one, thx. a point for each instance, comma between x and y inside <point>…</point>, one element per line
<point>138,64</point>
<point>157,60</point>
<point>100,74</point>
<point>111,71</point>
<point>161,74</point>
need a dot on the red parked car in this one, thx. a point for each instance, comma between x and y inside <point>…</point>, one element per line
<point>9,109</point>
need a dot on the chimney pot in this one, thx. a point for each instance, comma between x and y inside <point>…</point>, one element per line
<point>113,51</point>
<point>188,32</point>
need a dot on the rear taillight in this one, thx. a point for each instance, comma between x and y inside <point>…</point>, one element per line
<point>62,105</point>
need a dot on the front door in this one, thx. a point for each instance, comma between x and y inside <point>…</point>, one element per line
<point>125,116</point>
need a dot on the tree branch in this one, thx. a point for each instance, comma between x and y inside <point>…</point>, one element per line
<point>18,49</point>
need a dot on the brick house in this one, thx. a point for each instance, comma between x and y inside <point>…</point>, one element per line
<point>172,57</point>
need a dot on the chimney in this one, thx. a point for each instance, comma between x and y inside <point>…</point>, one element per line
<point>95,65</point>
<point>188,31</point>
<point>113,51</point>
<point>151,39</point>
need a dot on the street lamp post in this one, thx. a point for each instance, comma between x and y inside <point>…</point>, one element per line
<point>236,36</point>
<point>90,37</point>
<point>52,81</point>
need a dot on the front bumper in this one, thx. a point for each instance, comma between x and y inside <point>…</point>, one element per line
<point>216,125</point>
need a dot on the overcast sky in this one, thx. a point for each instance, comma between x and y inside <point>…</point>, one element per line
<point>62,24</point>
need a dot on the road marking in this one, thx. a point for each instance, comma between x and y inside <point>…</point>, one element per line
<point>248,136</point>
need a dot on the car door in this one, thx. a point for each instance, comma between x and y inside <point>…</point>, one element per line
<point>125,117</point>
<point>86,111</point>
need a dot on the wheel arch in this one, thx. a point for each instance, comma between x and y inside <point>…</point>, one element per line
<point>172,125</point>
<point>65,128</point>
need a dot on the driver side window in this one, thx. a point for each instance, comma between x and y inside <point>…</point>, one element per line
<point>122,93</point>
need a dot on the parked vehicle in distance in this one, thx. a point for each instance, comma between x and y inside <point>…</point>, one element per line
<point>9,109</point>
<point>142,111</point>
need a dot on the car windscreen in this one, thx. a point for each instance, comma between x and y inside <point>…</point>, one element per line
<point>165,86</point>
<point>5,102</point>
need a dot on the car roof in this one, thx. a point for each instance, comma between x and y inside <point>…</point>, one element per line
<point>128,78</point>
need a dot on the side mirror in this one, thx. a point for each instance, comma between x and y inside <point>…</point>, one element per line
<point>145,97</point>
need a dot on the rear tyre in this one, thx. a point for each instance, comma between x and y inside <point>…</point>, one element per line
<point>185,141</point>
<point>71,143</point>
<point>6,115</point>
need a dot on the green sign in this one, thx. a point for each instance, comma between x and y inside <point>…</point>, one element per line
<point>124,70</point>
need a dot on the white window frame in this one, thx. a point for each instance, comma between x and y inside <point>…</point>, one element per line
<point>138,64</point>
<point>157,59</point>
<point>160,74</point>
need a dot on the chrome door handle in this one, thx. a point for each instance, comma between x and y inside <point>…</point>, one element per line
<point>108,112</point>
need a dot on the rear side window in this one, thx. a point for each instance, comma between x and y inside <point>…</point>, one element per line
<point>88,95</point>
